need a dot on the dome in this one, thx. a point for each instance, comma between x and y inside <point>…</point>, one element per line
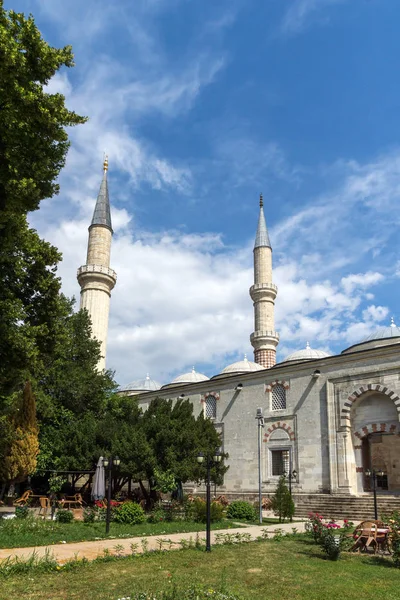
<point>382,333</point>
<point>192,377</point>
<point>383,336</point>
<point>242,366</point>
<point>142,385</point>
<point>306,354</point>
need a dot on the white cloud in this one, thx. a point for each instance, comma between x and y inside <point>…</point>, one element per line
<point>375,313</point>
<point>301,12</point>
<point>360,280</point>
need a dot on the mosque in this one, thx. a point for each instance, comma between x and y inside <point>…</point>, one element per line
<point>327,420</point>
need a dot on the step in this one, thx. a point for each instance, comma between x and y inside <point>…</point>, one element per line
<point>352,507</point>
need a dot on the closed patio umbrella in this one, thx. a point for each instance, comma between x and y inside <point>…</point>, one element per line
<point>99,483</point>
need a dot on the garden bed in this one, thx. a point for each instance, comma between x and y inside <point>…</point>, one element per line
<point>21,533</point>
<point>290,568</point>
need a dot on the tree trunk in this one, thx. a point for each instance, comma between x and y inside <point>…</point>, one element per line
<point>3,489</point>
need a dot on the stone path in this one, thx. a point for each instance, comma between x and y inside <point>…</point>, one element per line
<point>91,550</point>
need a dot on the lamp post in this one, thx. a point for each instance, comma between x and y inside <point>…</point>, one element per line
<point>292,475</point>
<point>260,419</point>
<point>210,461</point>
<point>109,463</point>
<point>374,474</point>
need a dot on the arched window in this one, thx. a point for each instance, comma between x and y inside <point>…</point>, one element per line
<point>211,407</point>
<point>278,397</point>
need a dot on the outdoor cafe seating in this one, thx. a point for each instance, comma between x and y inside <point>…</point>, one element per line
<point>75,501</point>
<point>371,534</point>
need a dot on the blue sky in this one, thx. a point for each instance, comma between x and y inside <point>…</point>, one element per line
<point>200,107</point>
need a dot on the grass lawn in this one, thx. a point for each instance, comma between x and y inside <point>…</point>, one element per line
<point>293,568</point>
<point>20,533</point>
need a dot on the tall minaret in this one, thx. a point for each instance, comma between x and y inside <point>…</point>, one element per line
<point>95,277</point>
<point>263,293</point>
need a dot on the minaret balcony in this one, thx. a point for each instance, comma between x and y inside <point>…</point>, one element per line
<point>264,339</point>
<point>263,291</point>
<point>100,273</point>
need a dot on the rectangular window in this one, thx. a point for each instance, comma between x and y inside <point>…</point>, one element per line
<point>278,397</point>
<point>280,462</point>
<point>211,407</point>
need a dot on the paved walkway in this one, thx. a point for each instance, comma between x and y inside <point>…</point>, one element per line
<point>91,550</point>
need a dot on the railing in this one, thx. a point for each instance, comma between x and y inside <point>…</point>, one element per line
<point>264,286</point>
<point>262,333</point>
<point>97,269</point>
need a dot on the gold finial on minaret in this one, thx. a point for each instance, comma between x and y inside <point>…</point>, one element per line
<point>105,163</point>
<point>261,201</point>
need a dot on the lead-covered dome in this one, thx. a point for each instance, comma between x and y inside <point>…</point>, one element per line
<point>307,353</point>
<point>242,366</point>
<point>141,385</point>
<point>382,333</point>
<point>383,336</point>
<point>191,377</point>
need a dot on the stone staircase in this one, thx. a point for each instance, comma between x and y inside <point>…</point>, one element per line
<point>345,507</point>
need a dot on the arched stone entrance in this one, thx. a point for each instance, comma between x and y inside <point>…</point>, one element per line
<point>376,440</point>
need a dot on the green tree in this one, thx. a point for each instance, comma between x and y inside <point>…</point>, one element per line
<point>73,396</point>
<point>282,502</point>
<point>29,302</point>
<point>33,139</point>
<point>33,148</point>
<point>175,437</point>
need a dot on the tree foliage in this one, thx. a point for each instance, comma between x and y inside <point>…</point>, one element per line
<point>33,148</point>
<point>23,444</point>
<point>282,501</point>
<point>33,139</point>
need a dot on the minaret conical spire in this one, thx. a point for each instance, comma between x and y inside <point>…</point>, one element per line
<point>96,278</point>
<point>264,339</point>
<point>262,237</point>
<point>102,212</point>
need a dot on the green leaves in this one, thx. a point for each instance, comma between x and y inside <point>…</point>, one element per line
<point>33,140</point>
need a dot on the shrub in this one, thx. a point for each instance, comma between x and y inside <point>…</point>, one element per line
<point>129,513</point>
<point>157,515</point>
<point>89,515</point>
<point>200,511</point>
<point>330,544</point>
<point>239,509</point>
<point>282,502</point>
<point>188,510</point>
<point>393,520</point>
<point>21,512</point>
<point>64,516</point>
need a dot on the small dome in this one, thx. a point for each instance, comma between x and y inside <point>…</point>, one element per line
<point>383,336</point>
<point>382,333</point>
<point>242,366</point>
<point>306,354</point>
<point>191,377</point>
<point>142,385</point>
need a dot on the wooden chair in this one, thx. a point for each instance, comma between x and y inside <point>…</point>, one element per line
<point>383,542</point>
<point>44,506</point>
<point>75,500</point>
<point>364,535</point>
<point>24,498</point>
<point>222,500</point>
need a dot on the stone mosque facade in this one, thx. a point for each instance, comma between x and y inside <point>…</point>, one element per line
<point>328,418</point>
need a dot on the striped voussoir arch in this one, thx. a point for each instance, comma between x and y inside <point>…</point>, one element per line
<point>376,428</point>
<point>279,425</point>
<point>371,387</point>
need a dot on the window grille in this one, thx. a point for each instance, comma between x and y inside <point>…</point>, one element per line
<point>280,462</point>
<point>211,407</point>
<point>278,397</point>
